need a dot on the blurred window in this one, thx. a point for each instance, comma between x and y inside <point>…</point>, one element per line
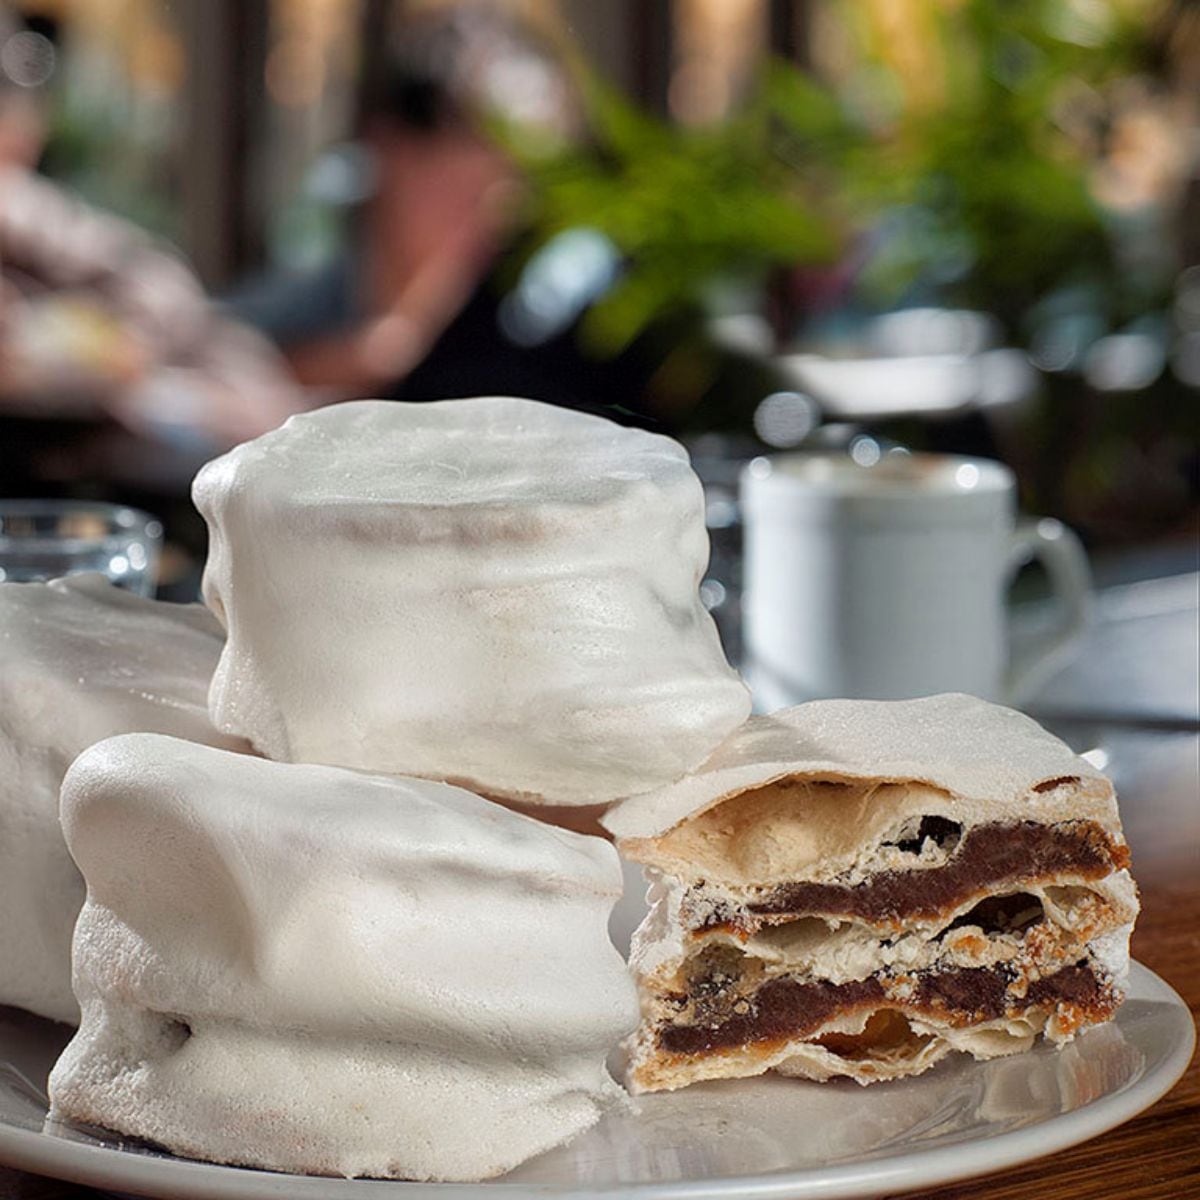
<point>718,46</point>
<point>311,74</point>
<point>113,84</point>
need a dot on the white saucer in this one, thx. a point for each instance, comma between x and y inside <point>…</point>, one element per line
<point>760,1139</point>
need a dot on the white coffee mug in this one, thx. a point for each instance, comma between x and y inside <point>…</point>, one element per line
<point>890,580</point>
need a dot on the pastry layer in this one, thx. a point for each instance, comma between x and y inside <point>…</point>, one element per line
<point>800,792</point>
<point>735,1019</point>
<point>722,1014</point>
<point>1049,926</point>
<point>988,859</point>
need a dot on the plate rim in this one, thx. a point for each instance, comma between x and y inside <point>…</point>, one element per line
<point>91,1166</point>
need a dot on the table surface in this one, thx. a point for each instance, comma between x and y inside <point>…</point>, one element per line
<point>1131,692</point>
<point>1150,735</point>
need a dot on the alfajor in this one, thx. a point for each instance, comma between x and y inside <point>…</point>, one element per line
<point>309,969</point>
<point>493,592</point>
<point>859,888</point>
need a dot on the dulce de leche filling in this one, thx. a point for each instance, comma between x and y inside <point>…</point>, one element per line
<point>989,857</point>
<point>786,1009</point>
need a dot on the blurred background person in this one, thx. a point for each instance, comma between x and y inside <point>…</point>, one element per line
<point>438,207</point>
<point>113,362</point>
<point>429,298</point>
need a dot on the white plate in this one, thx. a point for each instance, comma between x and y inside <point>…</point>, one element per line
<point>760,1139</point>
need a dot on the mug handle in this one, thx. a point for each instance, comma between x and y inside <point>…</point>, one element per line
<point>1066,563</point>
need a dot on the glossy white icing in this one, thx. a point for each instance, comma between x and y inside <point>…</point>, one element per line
<point>316,970</point>
<point>80,660</point>
<point>494,591</point>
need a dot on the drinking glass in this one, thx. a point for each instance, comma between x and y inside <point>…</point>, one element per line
<point>44,539</point>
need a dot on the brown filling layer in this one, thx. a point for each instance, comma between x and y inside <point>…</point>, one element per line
<point>986,858</point>
<point>784,1009</point>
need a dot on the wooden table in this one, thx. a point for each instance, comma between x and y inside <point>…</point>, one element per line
<point>1152,742</point>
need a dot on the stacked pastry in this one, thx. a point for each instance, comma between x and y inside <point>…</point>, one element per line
<point>858,888</point>
<point>79,660</point>
<point>308,968</point>
<point>335,960</point>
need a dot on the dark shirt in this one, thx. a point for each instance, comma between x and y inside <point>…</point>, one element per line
<point>673,378</point>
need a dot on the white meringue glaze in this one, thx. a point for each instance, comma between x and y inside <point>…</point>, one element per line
<point>494,591</point>
<point>80,660</point>
<point>310,969</point>
<point>986,759</point>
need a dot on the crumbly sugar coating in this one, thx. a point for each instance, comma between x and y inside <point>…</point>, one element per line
<point>493,592</point>
<point>309,969</point>
<point>80,660</point>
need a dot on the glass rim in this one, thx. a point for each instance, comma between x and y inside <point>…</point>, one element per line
<point>123,522</point>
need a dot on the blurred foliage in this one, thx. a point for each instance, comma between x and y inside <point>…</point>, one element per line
<point>997,206</point>
<point>90,148</point>
<point>951,179</point>
<point>686,206</point>
<point>986,186</point>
